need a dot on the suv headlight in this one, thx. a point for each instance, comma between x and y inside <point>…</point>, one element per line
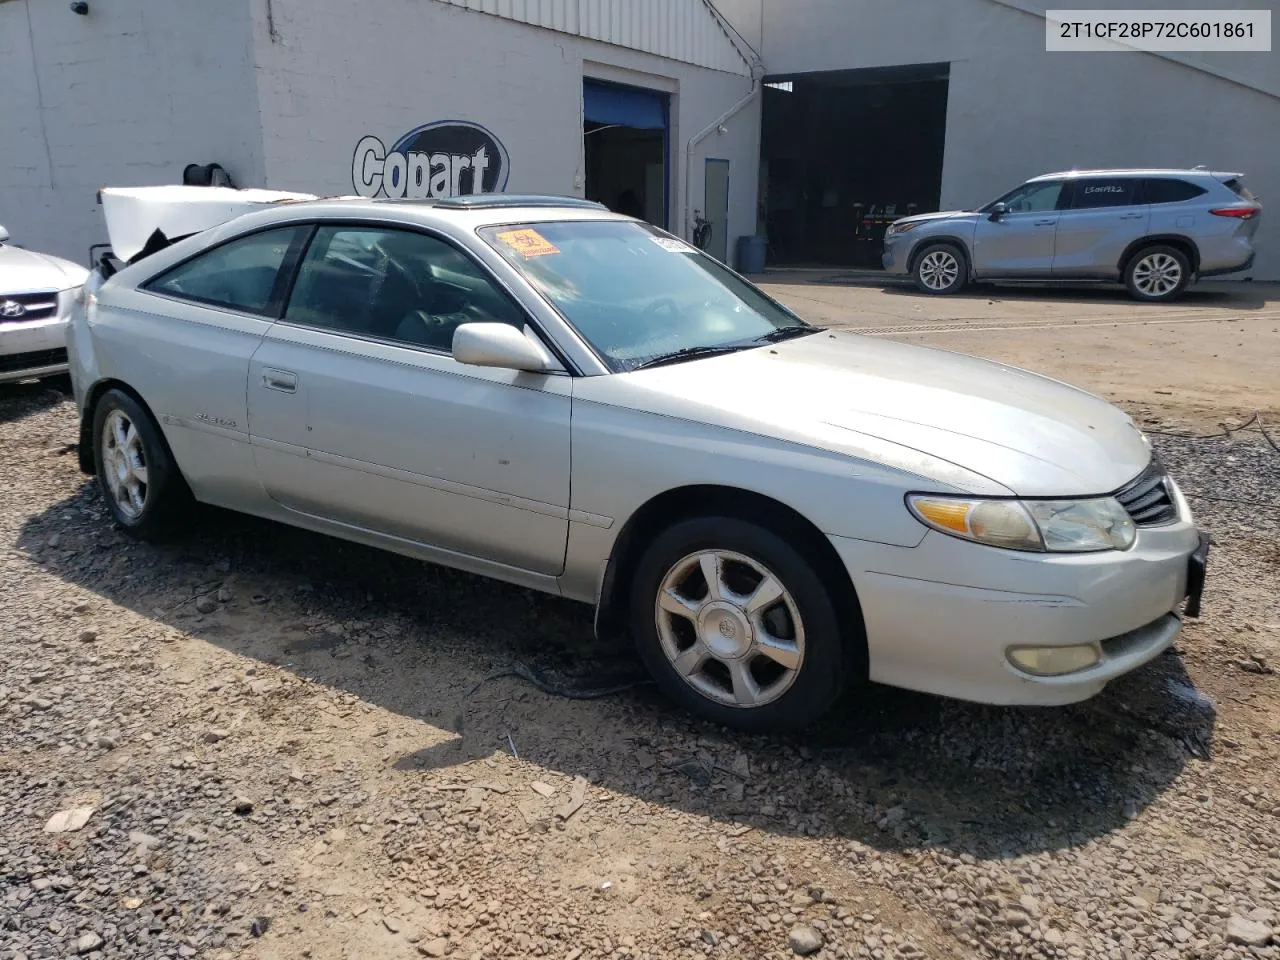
<point>896,228</point>
<point>1056,526</point>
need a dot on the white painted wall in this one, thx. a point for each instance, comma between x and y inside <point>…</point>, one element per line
<point>126,96</point>
<point>330,79</point>
<point>1015,110</point>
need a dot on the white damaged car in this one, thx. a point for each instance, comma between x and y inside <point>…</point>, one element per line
<point>547,393</point>
<point>36,295</point>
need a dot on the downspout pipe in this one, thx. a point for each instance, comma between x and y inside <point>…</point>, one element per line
<point>756,75</point>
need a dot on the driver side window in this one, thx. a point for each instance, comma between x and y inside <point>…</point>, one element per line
<point>1035,197</point>
<point>393,285</point>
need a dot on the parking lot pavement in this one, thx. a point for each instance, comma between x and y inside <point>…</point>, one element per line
<point>1215,353</point>
<point>286,746</point>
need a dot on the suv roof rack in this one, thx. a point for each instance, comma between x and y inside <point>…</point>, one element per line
<point>490,201</point>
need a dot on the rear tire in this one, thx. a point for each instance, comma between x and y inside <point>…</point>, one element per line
<point>941,268</point>
<point>141,485</point>
<point>763,651</point>
<point>1157,274</point>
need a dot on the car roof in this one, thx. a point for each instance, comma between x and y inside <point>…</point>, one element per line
<point>1138,172</point>
<point>445,216</point>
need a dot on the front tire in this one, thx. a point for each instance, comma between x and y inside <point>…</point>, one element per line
<point>737,626</point>
<point>941,268</point>
<point>141,485</point>
<point>1157,274</point>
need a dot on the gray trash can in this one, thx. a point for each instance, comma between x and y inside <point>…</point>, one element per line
<point>751,254</point>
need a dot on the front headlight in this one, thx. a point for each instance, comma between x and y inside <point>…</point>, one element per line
<point>896,228</point>
<point>1058,526</point>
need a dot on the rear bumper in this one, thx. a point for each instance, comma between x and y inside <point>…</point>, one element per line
<point>943,617</point>
<point>1219,271</point>
<point>35,349</point>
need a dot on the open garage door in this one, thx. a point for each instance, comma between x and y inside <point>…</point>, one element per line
<point>845,152</point>
<point>625,136</point>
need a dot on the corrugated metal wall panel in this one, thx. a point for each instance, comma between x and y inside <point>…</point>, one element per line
<point>683,30</point>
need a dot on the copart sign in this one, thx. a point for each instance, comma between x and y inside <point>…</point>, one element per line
<point>443,159</point>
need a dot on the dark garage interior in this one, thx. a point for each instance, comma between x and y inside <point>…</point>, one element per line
<point>625,145</point>
<point>843,153</point>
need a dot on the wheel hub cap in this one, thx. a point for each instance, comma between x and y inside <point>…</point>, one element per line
<point>725,630</point>
<point>730,628</point>
<point>124,464</point>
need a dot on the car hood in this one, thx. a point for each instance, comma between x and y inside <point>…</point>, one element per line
<point>941,215</point>
<point>22,271</point>
<point>1010,431</point>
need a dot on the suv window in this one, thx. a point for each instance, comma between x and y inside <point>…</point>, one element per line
<point>1236,186</point>
<point>1165,190</point>
<point>239,275</point>
<point>393,285</point>
<point>1105,192</point>
<point>1038,197</point>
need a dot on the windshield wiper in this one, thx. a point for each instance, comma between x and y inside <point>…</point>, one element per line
<point>688,353</point>
<point>787,333</point>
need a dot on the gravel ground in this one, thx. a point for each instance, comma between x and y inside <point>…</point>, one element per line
<point>269,744</point>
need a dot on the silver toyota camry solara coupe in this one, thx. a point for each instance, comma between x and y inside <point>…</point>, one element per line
<point>547,393</point>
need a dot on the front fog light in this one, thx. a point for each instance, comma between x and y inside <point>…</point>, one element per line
<point>1053,661</point>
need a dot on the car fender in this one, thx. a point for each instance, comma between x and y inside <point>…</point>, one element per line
<point>951,237</point>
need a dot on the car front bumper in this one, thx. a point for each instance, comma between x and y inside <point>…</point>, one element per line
<point>896,254</point>
<point>34,349</point>
<point>943,617</point>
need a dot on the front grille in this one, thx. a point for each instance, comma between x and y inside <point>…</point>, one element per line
<point>14,362</point>
<point>22,307</point>
<point>1149,499</point>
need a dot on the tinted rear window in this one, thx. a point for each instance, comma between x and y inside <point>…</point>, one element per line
<point>1164,190</point>
<point>1236,186</point>
<point>1104,192</point>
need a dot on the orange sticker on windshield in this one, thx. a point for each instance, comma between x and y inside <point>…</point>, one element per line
<point>528,243</point>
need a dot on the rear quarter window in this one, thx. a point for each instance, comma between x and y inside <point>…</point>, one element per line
<point>238,275</point>
<point>1236,186</point>
<point>1168,190</point>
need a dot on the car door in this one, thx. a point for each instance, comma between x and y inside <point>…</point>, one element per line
<point>359,414</point>
<point>1020,241</point>
<point>183,340</point>
<point>1102,216</point>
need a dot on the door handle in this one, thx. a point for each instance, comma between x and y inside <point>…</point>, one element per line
<point>1044,223</point>
<point>1131,216</point>
<point>281,380</point>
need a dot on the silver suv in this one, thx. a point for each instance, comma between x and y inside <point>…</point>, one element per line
<point>1153,230</point>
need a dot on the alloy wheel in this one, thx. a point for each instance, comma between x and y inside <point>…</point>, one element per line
<point>939,269</point>
<point>124,464</point>
<point>730,628</point>
<point>1157,275</point>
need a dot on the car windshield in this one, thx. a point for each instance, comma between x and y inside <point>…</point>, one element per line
<point>639,296</point>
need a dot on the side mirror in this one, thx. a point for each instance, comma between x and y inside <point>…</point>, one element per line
<point>4,234</point>
<point>998,210</point>
<point>500,345</point>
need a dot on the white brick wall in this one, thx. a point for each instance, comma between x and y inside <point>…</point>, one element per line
<point>130,93</point>
<point>333,78</point>
<point>137,89</point>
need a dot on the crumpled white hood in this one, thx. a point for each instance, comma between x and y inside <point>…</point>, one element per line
<point>133,214</point>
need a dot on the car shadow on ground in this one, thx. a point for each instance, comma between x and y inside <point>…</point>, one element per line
<point>18,400</point>
<point>891,769</point>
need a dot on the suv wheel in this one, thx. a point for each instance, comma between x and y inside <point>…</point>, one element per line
<point>940,268</point>
<point>737,626</point>
<point>141,485</point>
<point>1157,273</point>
